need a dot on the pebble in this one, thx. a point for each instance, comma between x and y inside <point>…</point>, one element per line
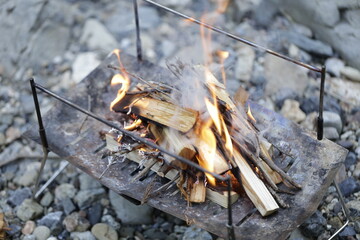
<point>76,222</point>
<point>195,233</point>
<point>292,111</point>
<point>65,190</point>
<point>347,232</point>
<point>351,73</point>
<point>349,186</point>
<point>356,172</point>
<point>28,210</point>
<point>82,236</point>
<point>29,237</point>
<point>310,121</point>
<point>332,119</point>
<point>128,212</point>
<point>47,199</point>
<point>28,227</point>
<point>94,213</point>
<point>41,233</point>
<point>350,160</point>
<point>103,231</point>
<point>28,178</point>
<point>314,226</point>
<point>126,232</point>
<point>53,221</point>
<point>108,219</point>
<point>11,134</point>
<point>282,95</point>
<point>331,133</point>
<point>18,196</point>
<point>334,66</point>
<point>244,63</point>
<point>68,206</point>
<point>85,198</point>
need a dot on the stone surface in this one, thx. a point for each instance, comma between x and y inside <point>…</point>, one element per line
<point>84,198</point>
<point>87,182</point>
<point>41,233</point>
<point>47,199</point>
<point>97,37</point>
<point>53,221</point>
<point>331,133</point>
<point>313,226</point>
<point>108,219</point>
<point>351,73</point>
<point>65,190</point>
<point>94,213</point>
<point>332,119</point>
<point>29,210</point>
<point>292,111</point>
<point>68,206</point>
<point>76,222</point>
<point>334,66</point>
<point>83,64</point>
<point>244,63</point>
<point>347,91</point>
<point>350,160</point>
<point>103,231</point>
<point>18,196</point>
<point>349,186</point>
<point>82,236</point>
<point>194,233</point>
<point>28,227</point>
<point>128,212</point>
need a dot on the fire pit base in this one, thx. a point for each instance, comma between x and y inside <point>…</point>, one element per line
<point>75,137</point>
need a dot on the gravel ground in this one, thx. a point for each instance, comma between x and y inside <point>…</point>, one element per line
<point>60,42</point>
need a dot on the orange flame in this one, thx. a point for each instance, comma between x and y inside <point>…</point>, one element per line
<point>223,55</point>
<point>250,115</point>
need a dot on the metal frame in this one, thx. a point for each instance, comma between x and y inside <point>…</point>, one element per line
<point>229,225</point>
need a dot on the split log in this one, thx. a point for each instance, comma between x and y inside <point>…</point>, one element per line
<point>255,188</point>
<point>196,188</point>
<point>165,113</point>
<point>221,198</point>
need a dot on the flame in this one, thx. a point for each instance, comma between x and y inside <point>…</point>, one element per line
<point>223,55</point>
<point>250,115</point>
<point>122,79</point>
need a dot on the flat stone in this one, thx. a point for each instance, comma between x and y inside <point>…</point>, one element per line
<point>97,37</point>
<point>82,236</point>
<point>244,63</point>
<point>351,73</point>
<point>85,198</point>
<point>28,210</point>
<point>65,190</point>
<point>68,206</point>
<point>128,212</point>
<point>47,199</point>
<point>194,233</point>
<point>334,66</point>
<point>53,221</point>
<point>331,133</point>
<point>103,231</point>
<point>28,227</point>
<point>83,64</point>
<point>291,110</point>
<point>41,233</point>
<point>18,196</point>
<point>332,119</point>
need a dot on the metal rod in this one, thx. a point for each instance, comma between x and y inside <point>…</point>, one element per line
<point>218,30</point>
<point>320,120</point>
<point>229,225</point>
<point>138,38</point>
<point>344,207</point>
<point>130,134</point>
<point>42,134</point>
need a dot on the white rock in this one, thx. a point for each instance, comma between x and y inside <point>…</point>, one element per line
<point>64,190</point>
<point>103,231</point>
<point>82,236</point>
<point>97,37</point>
<point>41,233</point>
<point>291,110</point>
<point>351,73</point>
<point>244,63</point>
<point>334,66</point>
<point>83,64</point>
<point>310,121</point>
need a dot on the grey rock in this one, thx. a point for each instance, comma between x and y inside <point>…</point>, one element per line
<point>11,134</point>
<point>103,231</point>
<point>350,160</point>
<point>356,172</point>
<point>128,212</point>
<point>311,104</point>
<point>18,196</point>
<point>85,198</point>
<point>283,94</point>
<point>194,233</point>
<point>244,63</point>
<point>334,66</point>
<point>126,232</point>
<point>308,44</point>
<point>64,190</point>
<point>27,103</point>
<point>41,233</point>
<point>82,236</point>
<point>47,199</point>
<point>174,3</point>
<point>348,231</point>
<point>314,226</point>
<point>349,186</point>
<point>297,235</point>
<point>108,219</point>
<point>243,7</point>
<point>292,111</point>
<point>28,178</point>
<point>68,206</point>
<point>154,233</point>
<point>29,237</point>
<point>83,64</point>
<point>97,37</point>
<point>53,221</point>
<point>15,231</point>
<point>28,210</point>
<point>149,17</point>
<point>264,13</point>
<point>332,119</point>
<point>352,16</point>
<point>76,222</point>
<point>87,182</point>
<point>331,133</point>
<point>351,73</point>
<point>94,213</point>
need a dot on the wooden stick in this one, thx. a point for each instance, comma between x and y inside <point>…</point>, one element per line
<point>255,188</point>
<point>196,188</point>
<point>165,113</point>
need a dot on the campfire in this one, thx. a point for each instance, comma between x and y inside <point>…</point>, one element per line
<point>195,118</point>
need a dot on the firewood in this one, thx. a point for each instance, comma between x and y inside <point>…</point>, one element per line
<point>221,198</point>
<point>255,188</point>
<point>165,113</point>
<point>196,188</point>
